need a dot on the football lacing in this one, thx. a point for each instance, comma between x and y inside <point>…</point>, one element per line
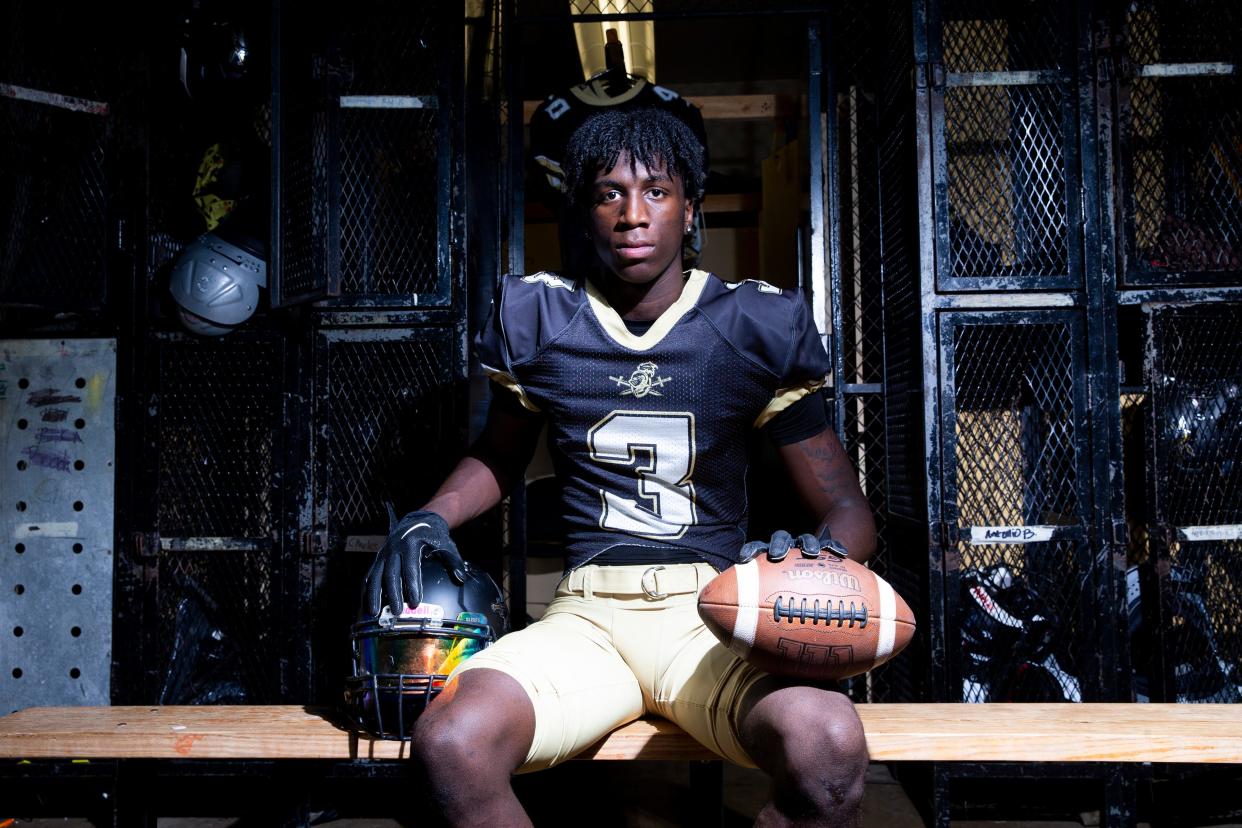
<point>829,614</point>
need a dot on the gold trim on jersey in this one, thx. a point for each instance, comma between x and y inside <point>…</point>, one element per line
<point>509,382</point>
<point>591,92</point>
<point>784,398</point>
<point>615,326</point>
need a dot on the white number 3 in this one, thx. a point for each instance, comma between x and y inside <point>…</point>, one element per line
<point>660,447</point>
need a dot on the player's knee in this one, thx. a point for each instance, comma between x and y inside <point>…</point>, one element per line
<point>824,729</point>
<point>435,744</point>
<point>841,730</point>
<point>826,762</point>
<point>842,738</point>
<point>448,742</point>
<point>475,734</point>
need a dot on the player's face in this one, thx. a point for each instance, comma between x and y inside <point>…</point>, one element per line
<point>637,219</point>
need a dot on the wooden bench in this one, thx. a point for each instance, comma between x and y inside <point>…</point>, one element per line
<point>895,732</point>
<point>129,749</point>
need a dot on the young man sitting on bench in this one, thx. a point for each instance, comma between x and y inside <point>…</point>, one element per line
<point>650,379</point>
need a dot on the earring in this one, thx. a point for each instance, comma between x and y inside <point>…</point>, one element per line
<point>689,229</point>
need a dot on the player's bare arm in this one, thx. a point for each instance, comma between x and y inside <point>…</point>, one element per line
<point>828,484</point>
<point>479,481</point>
<point>489,470</point>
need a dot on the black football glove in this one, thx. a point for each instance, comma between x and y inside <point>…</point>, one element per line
<point>398,569</point>
<point>780,544</point>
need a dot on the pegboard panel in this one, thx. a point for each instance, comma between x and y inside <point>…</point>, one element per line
<point>57,444</point>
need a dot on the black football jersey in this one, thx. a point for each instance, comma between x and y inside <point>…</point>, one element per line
<point>648,432</point>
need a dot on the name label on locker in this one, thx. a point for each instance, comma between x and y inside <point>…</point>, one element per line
<point>980,535</point>
<point>1210,533</point>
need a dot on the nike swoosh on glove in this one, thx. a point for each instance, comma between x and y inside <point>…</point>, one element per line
<point>781,542</point>
<point>397,572</point>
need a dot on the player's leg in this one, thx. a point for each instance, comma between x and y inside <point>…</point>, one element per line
<point>469,742</point>
<point>811,742</point>
<point>531,700</point>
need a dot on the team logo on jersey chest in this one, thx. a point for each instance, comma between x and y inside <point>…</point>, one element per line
<point>642,382</point>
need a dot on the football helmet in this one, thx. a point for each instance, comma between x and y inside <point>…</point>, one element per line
<point>216,279</point>
<point>216,285</point>
<point>223,55</point>
<point>1008,639</point>
<point>401,662</point>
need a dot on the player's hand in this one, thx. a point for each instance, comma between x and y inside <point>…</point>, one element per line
<point>781,542</point>
<point>398,569</point>
<point>779,545</point>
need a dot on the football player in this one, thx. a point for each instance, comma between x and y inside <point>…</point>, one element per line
<point>649,379</point>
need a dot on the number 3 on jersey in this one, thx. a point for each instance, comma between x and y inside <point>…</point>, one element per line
<point>660,447</point>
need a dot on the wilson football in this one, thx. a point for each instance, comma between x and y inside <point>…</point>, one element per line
<point>819,618</point>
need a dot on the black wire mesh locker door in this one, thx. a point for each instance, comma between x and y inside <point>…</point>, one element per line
<point>216,451</point>
<point>1195,496</point>
<point>1024,605</point>
<point>368,122</point>
<point>61,73</point>
<point>1180,138</point>
<point>387,425</point>
<point>1005,145</point>
<point>384,423</point>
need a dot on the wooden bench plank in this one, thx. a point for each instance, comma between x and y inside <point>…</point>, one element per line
<point>258,732</point>
<point>1054,732</point>
<point>895,732</point>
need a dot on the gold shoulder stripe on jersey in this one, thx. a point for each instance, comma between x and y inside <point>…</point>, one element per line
<point>784,398</point>
<point>551,280</point>
<point>762,286</point>
<point>507,381</point>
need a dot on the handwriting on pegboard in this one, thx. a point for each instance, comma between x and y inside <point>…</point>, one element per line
<point>50,396</point>
<point>43,452</point>
<point>46,458</point>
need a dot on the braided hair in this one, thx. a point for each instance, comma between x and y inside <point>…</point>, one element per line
<point>653,137</point>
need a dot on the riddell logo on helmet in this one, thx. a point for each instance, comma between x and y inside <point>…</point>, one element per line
<point>827,576</point>
<point>432,612</point>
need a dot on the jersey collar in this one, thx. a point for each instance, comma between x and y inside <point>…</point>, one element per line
<point>614,326</point>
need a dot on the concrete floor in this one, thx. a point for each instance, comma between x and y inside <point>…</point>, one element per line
<point>626,795</point>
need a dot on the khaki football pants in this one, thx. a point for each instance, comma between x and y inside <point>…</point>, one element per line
<point>616,643</point>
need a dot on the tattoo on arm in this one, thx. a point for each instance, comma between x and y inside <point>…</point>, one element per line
<point>829,464</point>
